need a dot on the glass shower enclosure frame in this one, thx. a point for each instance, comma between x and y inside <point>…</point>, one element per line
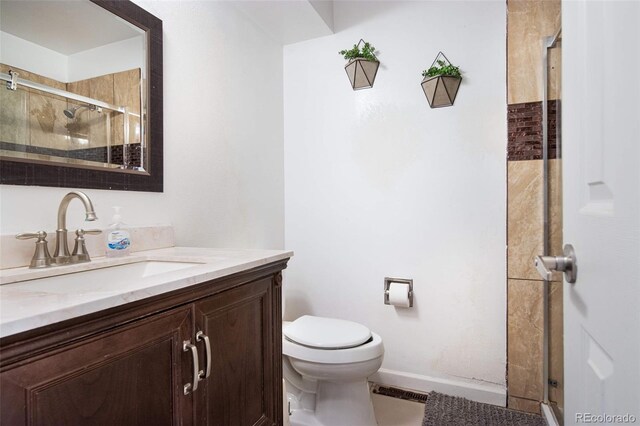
<point>553,363</point>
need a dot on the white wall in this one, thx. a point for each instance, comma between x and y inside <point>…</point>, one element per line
<point>29,56</point>
<point>111,58</point>
<point>223,139</point>
<point>378,184</point>
<point>324,8</point>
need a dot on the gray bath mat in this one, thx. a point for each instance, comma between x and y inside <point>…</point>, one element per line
<point>445,410</point>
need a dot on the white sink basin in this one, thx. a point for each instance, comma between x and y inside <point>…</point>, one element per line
<point>104,278</point>
<point>152,267</point>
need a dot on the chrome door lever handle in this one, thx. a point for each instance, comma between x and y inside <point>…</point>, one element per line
<point>566,263</point>
<point>546,265</point>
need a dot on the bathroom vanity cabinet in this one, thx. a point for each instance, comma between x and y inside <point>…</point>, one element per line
<point>129,365</point>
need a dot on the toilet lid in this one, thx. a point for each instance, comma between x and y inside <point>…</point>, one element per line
<point>326,333</point>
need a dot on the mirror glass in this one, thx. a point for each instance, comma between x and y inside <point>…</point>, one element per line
<point>73,86</point>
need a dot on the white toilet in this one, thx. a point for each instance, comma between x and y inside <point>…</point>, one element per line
<point>326,363</point>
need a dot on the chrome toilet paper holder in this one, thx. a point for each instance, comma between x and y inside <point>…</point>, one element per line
<point>387,283</point>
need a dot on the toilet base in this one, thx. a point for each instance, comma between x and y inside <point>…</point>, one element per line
<point>303,418</point>
<point>336,404</point>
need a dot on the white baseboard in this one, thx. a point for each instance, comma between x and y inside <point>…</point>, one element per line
<point>548,415</point>
<point>488,393</point>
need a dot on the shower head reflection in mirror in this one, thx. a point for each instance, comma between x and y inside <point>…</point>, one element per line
<point>71,112</point>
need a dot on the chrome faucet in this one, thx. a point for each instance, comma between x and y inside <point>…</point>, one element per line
<point>62,255</point>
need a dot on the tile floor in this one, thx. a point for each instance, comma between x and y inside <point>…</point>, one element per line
<point>397,412</point>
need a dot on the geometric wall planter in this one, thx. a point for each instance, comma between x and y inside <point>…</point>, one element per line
<point>362,65</point>
<point>361,73</point>
<point>441,91</point>
<point>441,83</point>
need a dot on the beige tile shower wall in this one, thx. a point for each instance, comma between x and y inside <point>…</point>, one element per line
<point>528,22</point>
<point>525,216</point>
<point>556,328</point>
<point>14,107</point>
<point>522,404</point>
<point>555,211</point>
<point>121,89</point>
<point>47,121</point>
<point>126,92</point>
<point>80,127</point>
<point>47,126</point>
<point>524,335</point>
<point>556,348</point>
<point>525,310</point>
<point>100,132</point>
<point>46,118</point>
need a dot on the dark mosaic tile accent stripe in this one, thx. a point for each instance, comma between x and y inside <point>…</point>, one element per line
<point>89,154</point>
<point>399,393</point>
<point>553,112</point>
<point>525,131</point>
<point>100,154</point>
<point>8,146</point>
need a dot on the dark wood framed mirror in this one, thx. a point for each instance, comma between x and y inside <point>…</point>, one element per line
<point>132,157</point>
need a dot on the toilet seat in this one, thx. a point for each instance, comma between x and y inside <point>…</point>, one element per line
<point>369,350</point>
<point>326,333</point>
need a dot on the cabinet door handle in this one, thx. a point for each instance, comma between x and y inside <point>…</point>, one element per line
<point>186,347</point>
<point>200,336</point>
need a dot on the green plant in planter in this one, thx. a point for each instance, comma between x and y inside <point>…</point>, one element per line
<point>442,69</point>
<point>367,52</point>
<point>362,65</point>
<point>441,82</point>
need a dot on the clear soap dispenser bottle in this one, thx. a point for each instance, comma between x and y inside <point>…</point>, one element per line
<point>118,237</point>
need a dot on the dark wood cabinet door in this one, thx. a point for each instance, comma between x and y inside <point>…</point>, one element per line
<point>245,386</point>
<point>132,375</point>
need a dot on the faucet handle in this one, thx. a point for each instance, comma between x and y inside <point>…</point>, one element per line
<point>40,235</point>
<point>41,257</point>
<point>80,252</point>
<point>82,232</point>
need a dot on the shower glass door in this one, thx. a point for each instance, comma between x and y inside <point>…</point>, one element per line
<point>554,376</point>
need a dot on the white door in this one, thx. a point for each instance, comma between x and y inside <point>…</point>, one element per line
<point>601,190</point>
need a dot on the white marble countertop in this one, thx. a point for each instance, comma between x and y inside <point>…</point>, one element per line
<point>25,305</point>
